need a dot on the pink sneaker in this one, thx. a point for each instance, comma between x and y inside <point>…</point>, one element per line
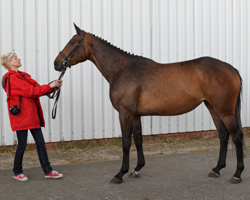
<point>53,174</point>
<point>21,177</point>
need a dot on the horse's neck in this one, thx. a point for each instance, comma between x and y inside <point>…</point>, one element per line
<point>108,59</point>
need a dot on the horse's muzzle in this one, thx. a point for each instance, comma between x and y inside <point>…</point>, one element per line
<point>58,67</point>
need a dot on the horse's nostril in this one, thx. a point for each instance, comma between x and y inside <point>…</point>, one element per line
<point>55,63</point>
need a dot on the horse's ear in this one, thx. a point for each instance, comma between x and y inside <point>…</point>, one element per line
<point>78,30</point>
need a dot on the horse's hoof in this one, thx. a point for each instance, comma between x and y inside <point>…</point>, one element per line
<point>134,174</point>
<point>212,174</point>
<point>116,181</point>
<point>235,180</point>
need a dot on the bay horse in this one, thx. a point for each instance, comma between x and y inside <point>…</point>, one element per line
<point>141,87</point>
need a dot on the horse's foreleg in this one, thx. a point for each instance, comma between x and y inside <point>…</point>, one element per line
<point>137,134</point>
<point>126,121</point>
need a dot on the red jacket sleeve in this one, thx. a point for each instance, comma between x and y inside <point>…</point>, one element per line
<point>27,88</point>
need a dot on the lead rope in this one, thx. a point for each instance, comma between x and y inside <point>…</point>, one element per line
<point>56,94</point>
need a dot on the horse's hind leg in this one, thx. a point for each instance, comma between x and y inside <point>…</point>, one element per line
<point>223,136</point>
<point>137,134</point>
<point>234,127</point>
<point>228,124</point>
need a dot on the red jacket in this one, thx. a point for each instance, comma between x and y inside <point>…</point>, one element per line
<point>21,84</point>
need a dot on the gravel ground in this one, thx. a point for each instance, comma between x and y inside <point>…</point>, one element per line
<point>102,152</point>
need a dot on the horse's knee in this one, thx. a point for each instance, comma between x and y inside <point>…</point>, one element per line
<point>224,135</point>
<point>126,144</point>
<point>224,142</point>
<point>238,139</point>
<point>137,138</point>
<point>138,144</point>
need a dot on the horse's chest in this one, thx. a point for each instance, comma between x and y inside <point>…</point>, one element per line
<point>125,98</point>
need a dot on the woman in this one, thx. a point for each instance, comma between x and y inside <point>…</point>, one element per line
<point>23,95</point>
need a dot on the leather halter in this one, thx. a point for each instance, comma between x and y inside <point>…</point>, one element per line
<point>67,59</point>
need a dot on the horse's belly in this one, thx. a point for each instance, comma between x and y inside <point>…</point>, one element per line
<point>169,105</point>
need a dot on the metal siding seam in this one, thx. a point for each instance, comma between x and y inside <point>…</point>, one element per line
<point>248,63</point>
<point>190,54</point>
<point>13,40</point>
<point>54,48</point>
<point>43,40</point>
<point>147,52</point>
<point>207,52</point>
<point>64,29</point>
<point>229,32</point>
<point>160,54</point>
<point>81,82</point>
<point>173,48</point>
<point>48,55</point>
<point>107,107</point>
<point>2,93</point>
<point>181,126</point>
<point>155,56</point>
<point>198,19</point>
<point>88,105</point>
<point>244,56</point>
<point>164,38</point>
<point>76,87</point>
<point>8,137</point>
<point>71,92</point>
<point>98,78</point>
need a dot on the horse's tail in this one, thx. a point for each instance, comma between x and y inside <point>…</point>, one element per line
<point>238,105</point>
<point>238,114</point>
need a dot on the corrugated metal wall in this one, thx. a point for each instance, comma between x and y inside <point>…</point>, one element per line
<point>163,30</point>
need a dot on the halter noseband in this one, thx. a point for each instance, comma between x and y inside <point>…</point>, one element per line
<point>68,58</point>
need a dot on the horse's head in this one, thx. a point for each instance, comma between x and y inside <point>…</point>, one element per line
<point>74,52</point>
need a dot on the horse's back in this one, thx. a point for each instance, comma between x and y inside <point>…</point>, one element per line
<point>199,74</point>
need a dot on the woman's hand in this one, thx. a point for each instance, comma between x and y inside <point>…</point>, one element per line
<point>56,83</point>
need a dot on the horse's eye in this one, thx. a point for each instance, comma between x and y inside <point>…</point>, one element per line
<point>71,42</point>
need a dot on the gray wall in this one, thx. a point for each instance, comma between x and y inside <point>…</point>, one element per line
<point>163,30</point>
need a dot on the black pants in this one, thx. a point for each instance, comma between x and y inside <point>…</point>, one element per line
<point>41,150</point>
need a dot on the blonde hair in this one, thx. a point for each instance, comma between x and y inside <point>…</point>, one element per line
<point>7,58</point>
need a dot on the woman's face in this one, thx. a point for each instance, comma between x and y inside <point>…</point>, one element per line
<point>15,62</point>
